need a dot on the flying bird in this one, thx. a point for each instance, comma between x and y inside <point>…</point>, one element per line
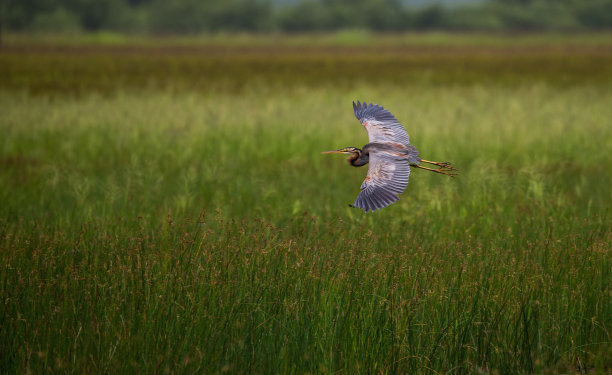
<point>390,156</point>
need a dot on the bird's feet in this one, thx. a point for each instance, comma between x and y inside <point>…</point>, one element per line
<point>444,167</point>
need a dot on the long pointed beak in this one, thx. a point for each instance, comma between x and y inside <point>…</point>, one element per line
<point>333,152</point>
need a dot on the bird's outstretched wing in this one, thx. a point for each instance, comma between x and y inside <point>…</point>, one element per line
<point>381,125</point>
<point>387,177</point>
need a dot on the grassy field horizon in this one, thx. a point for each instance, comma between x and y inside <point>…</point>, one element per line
<point>165,206</point>
<point>341,38</point>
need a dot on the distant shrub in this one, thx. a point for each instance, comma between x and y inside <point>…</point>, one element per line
<point>595,14</point>
<point>193,16</point>
<point>59,20</point>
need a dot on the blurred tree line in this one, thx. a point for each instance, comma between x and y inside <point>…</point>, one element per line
<point>191,16</point>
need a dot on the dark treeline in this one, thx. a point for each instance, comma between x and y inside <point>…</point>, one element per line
<point>191,16</point>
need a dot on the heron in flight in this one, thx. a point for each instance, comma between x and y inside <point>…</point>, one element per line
<point>390,155</point>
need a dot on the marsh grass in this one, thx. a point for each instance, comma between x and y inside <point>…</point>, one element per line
<point>240,66</point>
<point>197,232</point>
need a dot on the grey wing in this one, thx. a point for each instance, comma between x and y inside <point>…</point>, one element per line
<point>381,125</point>
<point>387,177</point>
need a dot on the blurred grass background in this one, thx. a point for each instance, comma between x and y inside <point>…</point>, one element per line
<point>210,65</point>
<point>165,206</point>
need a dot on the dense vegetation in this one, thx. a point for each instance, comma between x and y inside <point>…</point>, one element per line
<point>164,207</point>
<point>191,16</point>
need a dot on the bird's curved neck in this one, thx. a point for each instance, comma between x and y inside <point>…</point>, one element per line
<point>358,158</point>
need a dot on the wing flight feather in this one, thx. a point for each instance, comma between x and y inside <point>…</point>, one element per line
<point>381,125</point>
<point>387,177</point>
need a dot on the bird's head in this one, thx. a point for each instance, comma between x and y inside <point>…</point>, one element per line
<point>357,159</point>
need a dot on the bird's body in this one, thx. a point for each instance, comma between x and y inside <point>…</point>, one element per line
<point>389,155</point>
<point>361,157</point>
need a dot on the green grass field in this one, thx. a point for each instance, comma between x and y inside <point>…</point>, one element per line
<point>165,208</point>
